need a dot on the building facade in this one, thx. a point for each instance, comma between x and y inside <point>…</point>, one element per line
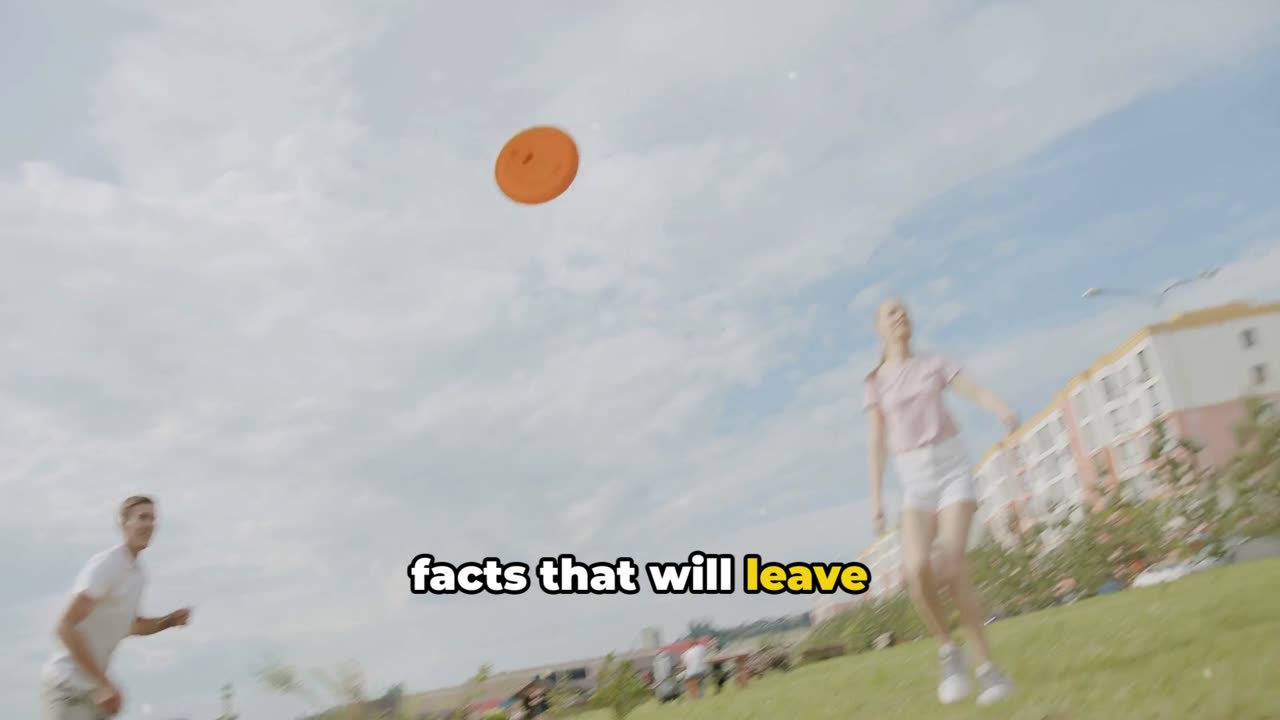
<point>1193,373</point>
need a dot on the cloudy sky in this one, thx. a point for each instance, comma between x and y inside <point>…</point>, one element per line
<point>255,264</point>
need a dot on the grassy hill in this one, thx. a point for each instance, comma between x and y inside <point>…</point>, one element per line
<point>1206,647</point>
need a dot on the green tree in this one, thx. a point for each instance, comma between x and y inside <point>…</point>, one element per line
<point>701,628</point>
<point>281,678</point>
<point>1252,478</point>
<point>564,700</point>
<point>1014,578</point>
<point>345,683</point>
<point>345,687</point>
<point>619,688</point>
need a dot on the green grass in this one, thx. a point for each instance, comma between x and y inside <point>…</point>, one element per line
<point>1205,647</point>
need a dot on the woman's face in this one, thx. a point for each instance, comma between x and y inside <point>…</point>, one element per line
<point>892,321</point>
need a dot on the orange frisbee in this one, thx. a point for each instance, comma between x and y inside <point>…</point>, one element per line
<point>537,165</point>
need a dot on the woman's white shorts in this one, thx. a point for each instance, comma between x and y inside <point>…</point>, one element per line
<point>935,476</point>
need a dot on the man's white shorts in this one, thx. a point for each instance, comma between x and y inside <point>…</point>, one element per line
<point>61,702</point>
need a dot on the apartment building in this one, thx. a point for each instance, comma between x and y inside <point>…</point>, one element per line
<point>1193,372</point>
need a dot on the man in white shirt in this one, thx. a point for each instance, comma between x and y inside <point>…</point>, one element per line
<point>695,667</point>
<point>103,611</point>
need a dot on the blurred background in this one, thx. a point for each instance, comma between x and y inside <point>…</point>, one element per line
<point>255,265</point>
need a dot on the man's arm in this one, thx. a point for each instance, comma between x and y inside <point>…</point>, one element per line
<point>79,608</point>
<point>150,626</point>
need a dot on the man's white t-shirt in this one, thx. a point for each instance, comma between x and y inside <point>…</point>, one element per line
<point>115,579</point>
<point>695,660</point>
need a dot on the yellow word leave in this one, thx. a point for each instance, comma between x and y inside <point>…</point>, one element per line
<point>799,578</point>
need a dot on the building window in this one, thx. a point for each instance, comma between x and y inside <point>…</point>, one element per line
<point>1090,438</point>
<point>1153,399</point>
<point>1248,338</point>
<point>1119,426</point>
<point>1082,406</point>
<point>1259,374</point>
<point>1051,469</point>
<point>1073,482</point>
<point>1065,462</point>
<point>1137,413</point>
<point>1144,369</point>
<point>1109,389</point>
<point>1132,455</point>
<point>1054,492</point>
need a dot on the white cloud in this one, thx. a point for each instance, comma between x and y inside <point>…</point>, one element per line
<point>300,314</point>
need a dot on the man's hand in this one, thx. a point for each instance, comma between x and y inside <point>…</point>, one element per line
<point>108,699</point>
<point>151,626</point>
<point>177,618</point>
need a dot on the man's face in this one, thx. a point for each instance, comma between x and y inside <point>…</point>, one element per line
<point>138,525</point>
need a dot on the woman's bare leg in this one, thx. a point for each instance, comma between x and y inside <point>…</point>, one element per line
<point>954,523</point>
<point>917,534</point>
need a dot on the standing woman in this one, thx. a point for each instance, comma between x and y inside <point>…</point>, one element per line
<point>908,419</point>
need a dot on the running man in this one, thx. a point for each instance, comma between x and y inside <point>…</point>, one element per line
<point>908,418</point>
<point>695,668</point>
<point>103,610</point>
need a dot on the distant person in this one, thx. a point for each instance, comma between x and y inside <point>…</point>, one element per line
<point>540,705</point>
<point>720,675</point>
<point>695,668</point>
<point>103,611</point>
<point>665,685</point>
<point>908,419</point>
<point>662,667</point>
<point>718,672</point>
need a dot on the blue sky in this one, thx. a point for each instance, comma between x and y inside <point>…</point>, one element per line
<point>255,265</point>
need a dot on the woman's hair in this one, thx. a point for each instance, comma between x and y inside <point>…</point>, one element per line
<point>876,321</point>
<point>871,375</point>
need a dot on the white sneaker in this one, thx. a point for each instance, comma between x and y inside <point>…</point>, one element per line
<point>954,685</point>
<point>995,685</point>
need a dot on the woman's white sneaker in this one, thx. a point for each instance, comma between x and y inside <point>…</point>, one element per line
<point>995,685</point>
<point>954,685</point>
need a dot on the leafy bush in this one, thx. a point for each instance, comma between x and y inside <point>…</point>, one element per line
<point>1252,478</point>
<point>619,688</point>
<point>894,614</point>
<point>1012,580</point>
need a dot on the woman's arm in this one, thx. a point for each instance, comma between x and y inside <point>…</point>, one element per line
<point>875,462</point>
<point>989,401</point>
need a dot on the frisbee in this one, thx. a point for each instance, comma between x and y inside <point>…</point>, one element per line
<point>537,165</point>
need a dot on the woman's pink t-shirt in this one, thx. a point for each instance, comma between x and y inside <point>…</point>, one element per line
<point>909,396</point>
